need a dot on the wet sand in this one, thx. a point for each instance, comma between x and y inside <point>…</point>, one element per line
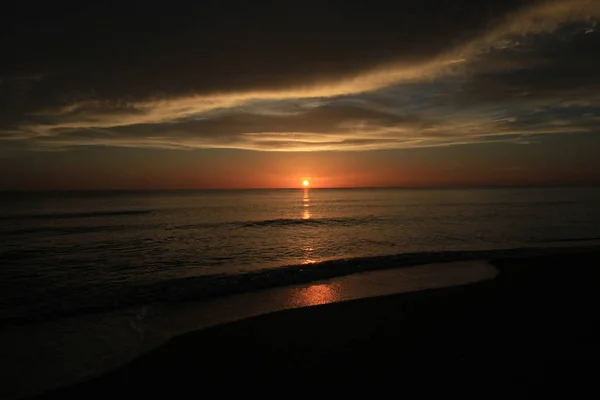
<point>532,331</point>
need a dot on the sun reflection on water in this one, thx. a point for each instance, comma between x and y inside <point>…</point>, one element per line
<point>306,214</point>
<point>306,203</point>
<point>306,241</point>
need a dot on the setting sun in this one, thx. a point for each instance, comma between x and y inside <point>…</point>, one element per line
<point>305,183</point>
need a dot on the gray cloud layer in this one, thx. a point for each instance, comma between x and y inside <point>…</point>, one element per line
<point>304,78</point>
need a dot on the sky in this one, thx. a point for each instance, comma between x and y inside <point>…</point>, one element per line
<point>223,94</point>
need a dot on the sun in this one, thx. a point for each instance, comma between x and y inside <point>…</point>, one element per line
<point>305,183</point>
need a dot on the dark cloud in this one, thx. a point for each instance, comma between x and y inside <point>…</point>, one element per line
<point>303,76</point>
<point>561,67</point>
<point>123,51</point>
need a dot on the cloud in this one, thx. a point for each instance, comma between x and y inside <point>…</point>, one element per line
<point>311,78</point>
<point>328,126</point>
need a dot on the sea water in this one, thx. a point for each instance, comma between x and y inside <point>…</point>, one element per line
<point>66,253</point>
<point>91,280</point>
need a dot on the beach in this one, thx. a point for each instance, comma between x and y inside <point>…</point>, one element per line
<point>530,330</point>
<point>291,199</point>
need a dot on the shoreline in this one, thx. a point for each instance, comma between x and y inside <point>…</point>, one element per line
<point>209,287</point>
<point>355,331</point>
<point>127,336</point>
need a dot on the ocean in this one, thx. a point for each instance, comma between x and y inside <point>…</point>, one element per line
<point>70,253</point>
<point>91,280</point>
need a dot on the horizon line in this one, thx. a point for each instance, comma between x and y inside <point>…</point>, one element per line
<point>491,186</point>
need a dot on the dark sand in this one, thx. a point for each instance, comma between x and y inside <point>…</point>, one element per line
<point>531,332</point>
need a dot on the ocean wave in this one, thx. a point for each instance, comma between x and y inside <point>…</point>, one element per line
<point>569,239</point>
<point>198,225</point>
<point>77,215</point>
<point>307,221</point>
<point>59,302</point>
<point>508,203</point>
<point>281,222</point>
<point>70,230</point>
